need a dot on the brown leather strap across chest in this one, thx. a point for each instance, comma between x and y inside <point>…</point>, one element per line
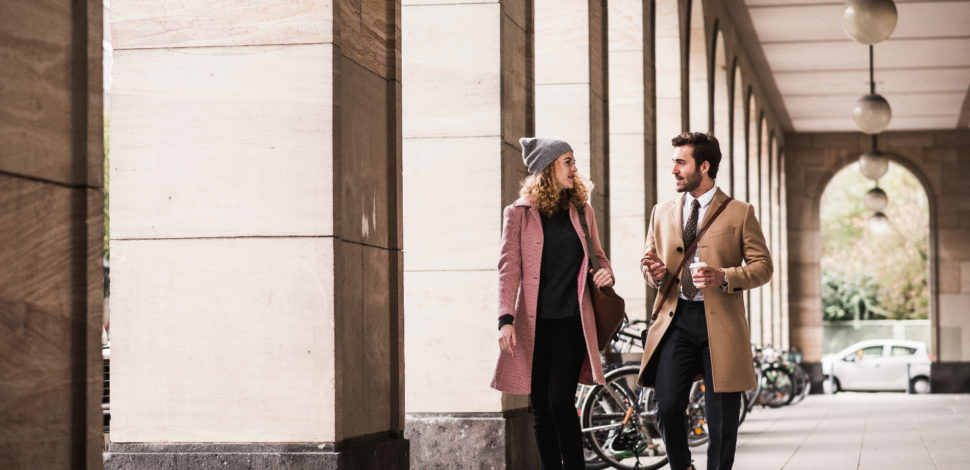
<point>687,253</point>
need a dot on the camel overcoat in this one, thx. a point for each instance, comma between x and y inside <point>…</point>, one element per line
<point>518,293</point>
<point>734,237</point>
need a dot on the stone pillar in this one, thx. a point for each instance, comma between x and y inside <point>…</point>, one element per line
<point>632,147</point>
<point>51,231</point>
<point>777,221</point>
<point>571,90</point>
<point>721,115</point>
<point>669,114</point>
<point>784,256</point>
<point>256,236</point>
<point>698,85</point>
<point>764,211</point>
<point>755,321</point>
<point>739,147</point>
<point>467,101</point>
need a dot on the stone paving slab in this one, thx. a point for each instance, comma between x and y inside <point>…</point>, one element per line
<point>856,431</point>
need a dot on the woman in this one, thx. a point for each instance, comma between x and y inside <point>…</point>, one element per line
<point>547,329</point>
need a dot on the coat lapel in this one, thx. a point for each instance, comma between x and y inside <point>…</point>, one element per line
<point>678,216</point>
<point>719,198</point>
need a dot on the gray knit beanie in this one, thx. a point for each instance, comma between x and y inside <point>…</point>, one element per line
<point>538,153</point>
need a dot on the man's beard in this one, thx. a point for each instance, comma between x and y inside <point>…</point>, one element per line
<point>691,182</point>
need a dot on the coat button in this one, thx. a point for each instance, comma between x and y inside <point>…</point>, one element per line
<point>676,279</point>
<point>680,249</point>
<point>671,314</point>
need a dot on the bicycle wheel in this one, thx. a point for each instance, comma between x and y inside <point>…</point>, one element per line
<point>696,418</point>
<point>803,383</point>
<point>744,407</point>
<point>619,420</point>
<point>777,386</point>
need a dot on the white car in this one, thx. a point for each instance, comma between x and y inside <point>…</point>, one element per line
<point>878,364</point>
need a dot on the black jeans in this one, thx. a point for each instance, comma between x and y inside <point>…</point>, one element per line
<point>684,354</point>
<point>560,348</point>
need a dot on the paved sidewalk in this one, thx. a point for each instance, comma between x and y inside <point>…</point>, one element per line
<point>866,431</point>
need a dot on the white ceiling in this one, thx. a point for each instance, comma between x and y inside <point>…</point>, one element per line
<point>923,69</point>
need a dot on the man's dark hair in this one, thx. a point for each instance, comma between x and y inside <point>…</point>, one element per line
<point>706,149</point>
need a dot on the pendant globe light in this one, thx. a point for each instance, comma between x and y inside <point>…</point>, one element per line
<point>872,112</point>
<point>879,223</point>
<point>873,164</point>
<point>869,21</point>
<point>876,199</point>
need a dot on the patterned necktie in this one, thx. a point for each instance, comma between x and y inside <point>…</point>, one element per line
<point>690,233</point>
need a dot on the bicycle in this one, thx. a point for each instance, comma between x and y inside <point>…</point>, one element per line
<point>619,420</point>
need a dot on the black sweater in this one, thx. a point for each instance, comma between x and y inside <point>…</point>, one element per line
<point>562,258</point>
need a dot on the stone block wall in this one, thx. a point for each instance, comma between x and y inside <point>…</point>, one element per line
<point>256,231</point>
<point>51,228</point>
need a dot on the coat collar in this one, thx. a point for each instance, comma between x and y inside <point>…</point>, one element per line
<point>678,212</point>
<point>522,201</point>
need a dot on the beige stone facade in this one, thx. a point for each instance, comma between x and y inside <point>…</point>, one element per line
<point>305,208</point>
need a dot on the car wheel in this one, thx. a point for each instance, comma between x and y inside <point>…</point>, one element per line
<point>921,385</point>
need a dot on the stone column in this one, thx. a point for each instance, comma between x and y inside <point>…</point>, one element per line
<point>698,85</point>
<point>467,101</point>
<point>51,233</point>
<point>571,89</point>
<point>764,211</point>
<point>256,236</point>
<point>632,147</point>
<point>776,249</point>
<point>754,191</point>
<point>784,255</point>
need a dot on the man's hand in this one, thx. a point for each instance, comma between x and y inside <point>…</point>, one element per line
<point>708,276</point>
<point>655,265</point>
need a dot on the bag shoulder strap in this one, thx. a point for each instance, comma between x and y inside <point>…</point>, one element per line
<point>687,254</point>
<point>589,243</point>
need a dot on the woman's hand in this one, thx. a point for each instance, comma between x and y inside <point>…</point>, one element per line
<point>506,339</point>
<point>602,278</point>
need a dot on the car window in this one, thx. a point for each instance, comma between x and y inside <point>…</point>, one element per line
<point>869,352</point>
<point>902,351</point>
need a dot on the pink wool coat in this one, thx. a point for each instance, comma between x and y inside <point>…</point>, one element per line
<point>518,292</point>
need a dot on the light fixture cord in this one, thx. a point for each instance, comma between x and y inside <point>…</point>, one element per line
<point>872,91</point>
<point>872,80</point>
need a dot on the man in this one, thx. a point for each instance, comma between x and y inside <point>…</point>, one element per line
<point>700,328</point>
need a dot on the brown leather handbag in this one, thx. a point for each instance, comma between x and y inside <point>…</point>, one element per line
<point>608,307</point>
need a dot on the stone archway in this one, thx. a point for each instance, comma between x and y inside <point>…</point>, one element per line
<point>812,160</point>
<point>895,259</point>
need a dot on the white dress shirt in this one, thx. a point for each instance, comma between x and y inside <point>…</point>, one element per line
<point>705,201</point>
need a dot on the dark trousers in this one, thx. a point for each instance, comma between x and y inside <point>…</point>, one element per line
<point>560,348</point>
<point>684,354</point>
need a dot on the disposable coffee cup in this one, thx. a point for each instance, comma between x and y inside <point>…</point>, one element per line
<point>694,267</point>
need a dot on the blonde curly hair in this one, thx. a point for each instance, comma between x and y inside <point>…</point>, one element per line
<point>544,192</point>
